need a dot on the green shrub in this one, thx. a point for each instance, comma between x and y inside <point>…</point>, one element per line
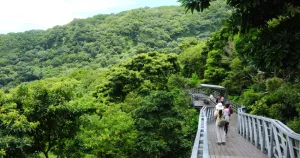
<point>195,78</point>
<point>276,111</point>
<point>259,87</point>
<point>281,104</point>
<point>234,98</point>
<point>260,108</point>
<point>294,125</point>
<point>273,84</point>
<point>176,81</point>
<point>215,75</point>
<point>249,97</point>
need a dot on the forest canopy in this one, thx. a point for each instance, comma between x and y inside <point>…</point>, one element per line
<point>105,86</point>
<point>256,56</point>
<point>102,41</point>
<point>115,85</point>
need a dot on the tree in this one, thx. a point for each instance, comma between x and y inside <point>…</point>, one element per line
<point>274,50</point>
<point>47,103</point>
<point>155,67</point>
<point>14,129</point>
<point>248,13</point>
<point>193,60</point>
<point>160,127</point>
<point>120,81</point>
<point>111,134</point>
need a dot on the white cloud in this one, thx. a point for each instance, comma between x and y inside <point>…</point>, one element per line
<point>21,15</point>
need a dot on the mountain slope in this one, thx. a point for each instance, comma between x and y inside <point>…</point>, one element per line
<point>101,41</point>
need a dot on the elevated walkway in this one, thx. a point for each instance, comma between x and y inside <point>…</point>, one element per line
<point>248,136</point>
<point>236,146</point>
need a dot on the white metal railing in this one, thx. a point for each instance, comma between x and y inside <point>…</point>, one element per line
<point>200,148</point>
<point>197,90</point>
<point>197,98</point>
<point>198,95</point>
<point>271,136</point>
<point>235,106</point>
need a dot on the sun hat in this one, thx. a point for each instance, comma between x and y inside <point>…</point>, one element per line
<point>227,103</point>
<point>219,106</point>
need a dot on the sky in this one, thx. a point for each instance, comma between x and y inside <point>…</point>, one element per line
<point>22,15</point>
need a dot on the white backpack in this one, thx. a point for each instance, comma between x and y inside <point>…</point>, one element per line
<point>226,115</point>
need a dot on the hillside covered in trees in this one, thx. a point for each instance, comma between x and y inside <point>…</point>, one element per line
<point>105,86</point>
<point>102,41</point>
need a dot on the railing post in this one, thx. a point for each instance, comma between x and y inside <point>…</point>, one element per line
<point>254,131</point>
<point>246,126</point>
<point>290,147</point>
<point>277,145</point>
<point>270,154</point>
<point>239,121</point>
<point>261,135</point>
<point>243,126</point>
<point>250,129</point>
<point>205,140</point>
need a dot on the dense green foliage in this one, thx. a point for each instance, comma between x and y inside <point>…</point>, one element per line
<point>256,54</point>
<point>250,14</point>
<point>101,41</point>
<point>101,101</point>
<point>111,94</point>
<point>135,110</point>
<point>116,86</point>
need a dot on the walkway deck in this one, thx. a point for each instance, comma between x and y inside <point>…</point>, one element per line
<point>236,146</point>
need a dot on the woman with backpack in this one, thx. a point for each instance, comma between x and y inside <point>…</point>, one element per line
<point>220,123</point>
<point>229,107</point>
<point>227,117</point>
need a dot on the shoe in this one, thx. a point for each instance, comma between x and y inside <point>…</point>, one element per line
<point>219,143</point>
<point>223,143</point>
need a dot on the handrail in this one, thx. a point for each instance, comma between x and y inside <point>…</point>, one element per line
<point>201,127</point>
<point>200,148</point>
<point>271,136</point>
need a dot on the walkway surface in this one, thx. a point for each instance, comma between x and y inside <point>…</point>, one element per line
<point>236,146</point>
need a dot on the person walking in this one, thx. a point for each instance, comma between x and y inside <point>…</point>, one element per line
<point>220,123</point>
<point>222,99</point>
<point>218,99</point>
<point>230,111</point>
<point>227,117</point>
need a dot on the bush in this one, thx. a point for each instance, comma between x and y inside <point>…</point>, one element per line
<point>294,125</point>
<point>276,111</point>
<point>176,81</point>
<point>260,108</point>
<point>281,104</point>
<point>215,75</point>
<point>249,97</point>
<point>195,78</point>
<point>259,87</point>
<point>273,84</point>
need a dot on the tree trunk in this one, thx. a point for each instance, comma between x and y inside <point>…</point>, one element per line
<point>46,154</point>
